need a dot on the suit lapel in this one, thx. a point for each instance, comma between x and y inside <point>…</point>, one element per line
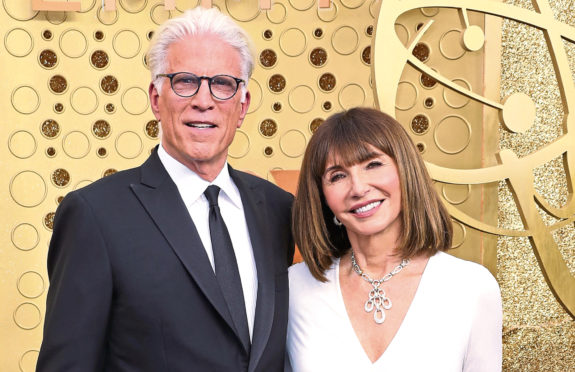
<point>256,215</point>
<point>160,197</point>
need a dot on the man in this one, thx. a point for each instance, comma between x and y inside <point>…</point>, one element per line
<point>137,278</point>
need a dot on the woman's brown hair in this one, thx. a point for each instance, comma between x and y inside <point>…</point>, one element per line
<point>348,135</point>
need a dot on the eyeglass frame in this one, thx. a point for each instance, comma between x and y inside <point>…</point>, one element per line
<point>203,77</point>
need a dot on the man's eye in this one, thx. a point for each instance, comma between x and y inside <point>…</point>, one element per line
<point>187,81</point>
<point>222,82</point>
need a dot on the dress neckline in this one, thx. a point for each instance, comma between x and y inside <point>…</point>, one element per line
<point>405,322</point>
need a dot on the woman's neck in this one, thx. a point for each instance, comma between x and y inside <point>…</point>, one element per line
<point>376,256</point>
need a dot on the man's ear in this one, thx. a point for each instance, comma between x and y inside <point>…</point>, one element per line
<point>245,105</point>
<point>154,98</point>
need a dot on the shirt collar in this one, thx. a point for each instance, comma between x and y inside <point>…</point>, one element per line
<point>194,185</point>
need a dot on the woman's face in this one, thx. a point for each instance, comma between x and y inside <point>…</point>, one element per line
<point>365,197</point>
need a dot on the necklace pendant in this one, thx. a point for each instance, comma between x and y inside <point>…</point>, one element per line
<point>379,318</point>
<point>378,299</point>
<point>368,306</point>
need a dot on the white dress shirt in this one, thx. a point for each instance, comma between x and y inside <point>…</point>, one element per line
<point>191,188</point>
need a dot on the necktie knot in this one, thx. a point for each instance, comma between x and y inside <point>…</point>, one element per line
<point>211,194</point>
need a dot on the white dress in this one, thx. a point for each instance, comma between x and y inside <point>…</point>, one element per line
<point>453,324</point>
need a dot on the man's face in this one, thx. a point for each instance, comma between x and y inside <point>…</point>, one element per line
<point>198,130</point>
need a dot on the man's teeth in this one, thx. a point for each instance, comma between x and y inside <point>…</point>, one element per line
<point>367,207</point>
<point>198,125</point>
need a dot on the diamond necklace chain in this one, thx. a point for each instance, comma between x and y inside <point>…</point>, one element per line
<point>378,299</point>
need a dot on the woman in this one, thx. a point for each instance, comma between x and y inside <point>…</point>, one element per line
<point>377,292</point>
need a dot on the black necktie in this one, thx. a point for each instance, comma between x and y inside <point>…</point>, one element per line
<point>227,272</point>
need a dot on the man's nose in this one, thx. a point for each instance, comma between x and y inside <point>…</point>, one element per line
<point>203,99</point>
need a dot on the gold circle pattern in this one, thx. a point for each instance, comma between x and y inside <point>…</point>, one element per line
<point>49,220</point>
<point>351,95</point>
<point>345,40</point>
<point>406,95</point>
<point>133,6</point>
<point>50,128</point>
<point>277,83</point>
<point>109,84</point>
<point>58,84</point>
<point>60,177</point>
<point>99,59</point>
<point>126,44</point>
<point>268,58</point>
<point>277,14</point>
<point>328,14</point>
<point>22,144</point>
<point>301,99</point>
<point>242,11</point>
<point>450,45</point>
<point>268,128</point>
<point>159,14</point>
<point>84,100</point>
<point>31,284</point>
<point>452,134</point>
<point>292,143</point>
<point>18,42</point>
<point>101,129</point>
<point>293,42</point>
<point>315,123</point>
<point>19,10</point>
<point>421,51</point>
<point>56,18</point>
<point>255,90</point>
<point>240,146</point>
<point>47,35</point>
<point>28,361</point>
<point>73,43</point>
<point>318,57</point>
<point>28,189</point>
<point>76,144</point>
<point>152,129</point>
<point>135,101</point>
<point>27,316</point>
<point>327,82</point>
<point>25,237</point>
<point>107,18</point>
<point>301,4</point>
<point>129,145</point>
<point>25,99</point>
<point>420,124</point>
<point>48,58</point>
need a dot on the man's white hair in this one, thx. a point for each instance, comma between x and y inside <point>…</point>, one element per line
<point>199,21</point>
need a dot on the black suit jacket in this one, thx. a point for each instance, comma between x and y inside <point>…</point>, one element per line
<point>132,288</point>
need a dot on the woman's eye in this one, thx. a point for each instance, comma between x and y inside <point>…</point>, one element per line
<point>374,164</point>
<point>336,177</point>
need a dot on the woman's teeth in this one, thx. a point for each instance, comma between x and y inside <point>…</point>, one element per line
<point>367,207</point>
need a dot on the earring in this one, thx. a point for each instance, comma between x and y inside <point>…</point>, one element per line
<point>336,221</point>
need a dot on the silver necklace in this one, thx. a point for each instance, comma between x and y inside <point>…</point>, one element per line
<point>377,300</point>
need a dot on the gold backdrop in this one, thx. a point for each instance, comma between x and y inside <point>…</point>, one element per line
<point>74,103</point>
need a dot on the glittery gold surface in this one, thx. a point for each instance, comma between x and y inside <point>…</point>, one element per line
<point>538,334</point>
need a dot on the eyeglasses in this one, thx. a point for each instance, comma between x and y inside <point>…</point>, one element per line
<point>186,84</point>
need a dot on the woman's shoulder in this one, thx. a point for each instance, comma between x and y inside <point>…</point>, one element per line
<point>462,272</point>
<point>302,281</point>
<point>300,272</point>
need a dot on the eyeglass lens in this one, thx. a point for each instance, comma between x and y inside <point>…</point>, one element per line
<point>221,86</point>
